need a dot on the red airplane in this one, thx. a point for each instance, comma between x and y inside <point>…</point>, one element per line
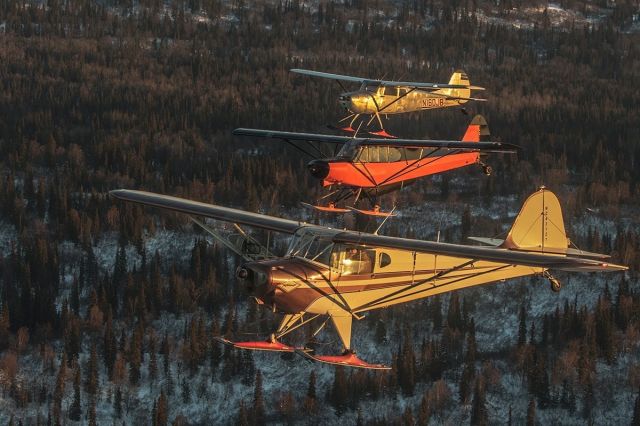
<point>370,167</point>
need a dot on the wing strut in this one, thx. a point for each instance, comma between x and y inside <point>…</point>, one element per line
<point>241,243</point>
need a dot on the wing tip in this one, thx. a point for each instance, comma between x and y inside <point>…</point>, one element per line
<point>118,193</point>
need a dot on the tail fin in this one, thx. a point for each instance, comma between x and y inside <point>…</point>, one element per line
<point>539,225</point>
<point>459,78</point>
<point>477,131</point>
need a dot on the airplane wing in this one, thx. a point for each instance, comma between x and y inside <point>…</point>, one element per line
<point>208,210</point>
<point>331,76</point>
<point>403,143</point>
<point>425,143</point>
<point>386,83</point>
<point>291,136</point>
<point>490,254</point>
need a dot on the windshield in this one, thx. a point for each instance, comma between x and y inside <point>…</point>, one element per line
<point>311,247</point>
<point>348,150</point>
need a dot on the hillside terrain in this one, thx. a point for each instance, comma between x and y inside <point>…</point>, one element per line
<point>108,311</point>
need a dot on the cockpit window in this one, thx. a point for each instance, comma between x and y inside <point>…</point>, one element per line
<point>353,260</point>
<point>379,154</point>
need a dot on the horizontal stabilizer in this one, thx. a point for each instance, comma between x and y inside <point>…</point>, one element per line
<point>488,241</point>
<point>497,242</point>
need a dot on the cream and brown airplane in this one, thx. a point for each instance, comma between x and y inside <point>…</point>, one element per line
<point>375,98</point>
<point>337,275</point>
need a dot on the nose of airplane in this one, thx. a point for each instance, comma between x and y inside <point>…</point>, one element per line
<point>345,101</point>
<point>254,279</point>
<point>319,169</point>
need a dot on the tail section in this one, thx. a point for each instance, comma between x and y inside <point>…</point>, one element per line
<point>459,78</point>
<point>539,225</point>
<point>477,131</point>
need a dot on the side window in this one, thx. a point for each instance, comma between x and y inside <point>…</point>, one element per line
<point>374,156</point>
<point>358,261</point>
<point>385,260</point>
<point>384,154</point>
<point>364,154</point>
<point>412,153</point>
<point>394,154</point>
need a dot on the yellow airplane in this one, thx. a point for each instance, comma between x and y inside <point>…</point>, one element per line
<point>337,275</point>
<point>377,97</point>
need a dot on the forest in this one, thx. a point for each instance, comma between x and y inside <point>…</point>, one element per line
<point>108,311</point>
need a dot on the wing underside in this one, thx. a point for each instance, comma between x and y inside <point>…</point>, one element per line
<point>398,143</point>
<point>208,210</point>
<point>569,261</point>
<point>386,83</point>
<point>291,136</point>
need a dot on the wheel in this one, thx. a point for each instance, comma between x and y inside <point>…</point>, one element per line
<point>487,170</point>
<point>555,284</point>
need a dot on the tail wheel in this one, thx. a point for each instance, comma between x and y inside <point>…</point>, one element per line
<point>487,170</point>
<point>555,284</point>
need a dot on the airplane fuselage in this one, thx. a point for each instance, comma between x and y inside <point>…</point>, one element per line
<point>399,100</point>
<point>380,278</point>
<point>375,167</point>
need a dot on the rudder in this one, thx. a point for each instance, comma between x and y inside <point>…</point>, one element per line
<point>459,78</point>
<point>477,131</point>
<point>539,226</point>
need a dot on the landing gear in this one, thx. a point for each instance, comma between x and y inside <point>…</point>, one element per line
<point>553,282</point>
<point>486,169</point>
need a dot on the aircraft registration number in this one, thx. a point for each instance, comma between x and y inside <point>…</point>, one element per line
<point>432,102</point>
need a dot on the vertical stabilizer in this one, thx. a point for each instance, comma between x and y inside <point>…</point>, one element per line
<point>477,131</point>
<point>539,225</point>
<point>459,78</point>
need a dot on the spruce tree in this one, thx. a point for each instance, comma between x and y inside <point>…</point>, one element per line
<point>531,413</point>
<point>92,413</point>
<point>407,417</point>
<point>135,358</point>
<point>243,416</point>
<point>339,392</point>
<point>310,403</point>
<point>162,410</point>
<point>58,392</point>
<point>165,353</point>
<point>635,421</point>
<point>479,414</point>
<point>186,391</point>
<point>522,327</point>
<point>425,411</point>
<point>91,381</point>
<point>153,362</point>
<point>5,325</point>
<point>117,403</point>
<point>75,410</point>
<point>258,402</point>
